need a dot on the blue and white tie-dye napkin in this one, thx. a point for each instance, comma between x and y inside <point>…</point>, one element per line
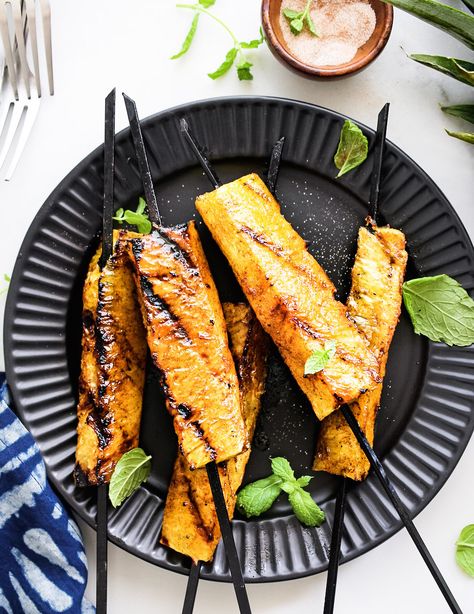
<point>43,568</point>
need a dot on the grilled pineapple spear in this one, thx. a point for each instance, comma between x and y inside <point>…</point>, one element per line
<point>290,293</point>
<point>374,304</point>
<point>112,369</point>
<point>187,337</point>
<point>190,524</point>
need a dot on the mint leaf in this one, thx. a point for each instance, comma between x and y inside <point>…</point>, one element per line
<point>132,469</point>
<point>282,468</point>
<point>189,38</point>
<point>292,14</point>
<point>310,24</point>
<point>253,44</point>
<point>352,149</point>
<point>440,309</point>
<point>320,358</point>
<point>207,3</point>
<point>259,496</point>
<point>7,279</point>
<point>304,480</point>
<point>296,25</point>
<point>243,71</point>
<point>289,487</point>
<point>305,508</point>
<point>465,550</point>
<point>226,64</point>
<point>141,206</point>
<point>136,218</point>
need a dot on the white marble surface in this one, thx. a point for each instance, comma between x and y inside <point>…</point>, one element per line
<point>127,44</point>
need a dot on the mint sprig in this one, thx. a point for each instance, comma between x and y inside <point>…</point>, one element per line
<point>299,19</point>
<point>136,218</point>
<point>320,358</point>
<point>235,56</point>
<point>258,497</point>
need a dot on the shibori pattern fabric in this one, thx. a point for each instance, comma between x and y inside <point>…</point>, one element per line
<point>43,568</point>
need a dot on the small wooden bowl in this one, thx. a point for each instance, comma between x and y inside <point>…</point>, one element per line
<point>365,55</point>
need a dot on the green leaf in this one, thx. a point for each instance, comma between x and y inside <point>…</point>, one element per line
<point>282,468</point>
<point>226,64</point>
<point>141,221</point>
<point>289,487</point>
<point>457,69</point>
<point>440,309</point>
<point>253,44</point>
<point>352,149</point>
<point>463,136</point>
<point>320,358</point>
<point>464,111</point>
<point>465,550</point>
<point>296,25</point>
<point>451,20</point>
<point>132,469</point>
<point>7,279</point>
<point>259,496</point>
<point>189,38</point>
<point>304,480</point>
<point>292,14</point>
<point>207,3</point>
<point>141,206</point>
<point>310,24</point>
<point>243,71</point>
<point>305,508</point>
<point>135,218</point>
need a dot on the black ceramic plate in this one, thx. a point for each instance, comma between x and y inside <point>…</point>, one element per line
<point>427,413</point>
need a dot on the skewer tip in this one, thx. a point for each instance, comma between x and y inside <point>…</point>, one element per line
<point>130,104</point>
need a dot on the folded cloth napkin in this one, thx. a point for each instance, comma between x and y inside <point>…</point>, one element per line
<point>43,568</point>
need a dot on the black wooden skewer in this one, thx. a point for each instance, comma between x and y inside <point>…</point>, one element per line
<point>107,249</point>
<point>335,548</point>
<point>338,527</point>
<point>272,177</point>
<point>142,159</point>
<point>191,588</point>
<point>199,153</point>
<point>101,549</point>
<point>401,509</point>
<point>364,444</point>
<point>212,471</point>
<point>109,171</point>
<point>274,165</point>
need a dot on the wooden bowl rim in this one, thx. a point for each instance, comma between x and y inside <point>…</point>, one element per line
<point>336,71</point>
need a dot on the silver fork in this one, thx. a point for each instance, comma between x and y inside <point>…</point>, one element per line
<point>21,88</point>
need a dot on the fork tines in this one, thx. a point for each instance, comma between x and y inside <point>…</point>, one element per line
<point>21,88</point>
<point>17,27</point>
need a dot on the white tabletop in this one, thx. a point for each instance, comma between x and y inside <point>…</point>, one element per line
<point>98,45</point>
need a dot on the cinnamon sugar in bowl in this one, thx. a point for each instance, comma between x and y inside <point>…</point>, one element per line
<point>349,34</point>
